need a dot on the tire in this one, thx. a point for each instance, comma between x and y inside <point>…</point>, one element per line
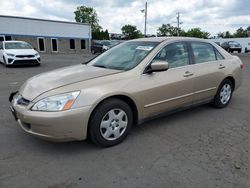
<point>224,94</point>
<point>239,51</point>
<point>104,127</point>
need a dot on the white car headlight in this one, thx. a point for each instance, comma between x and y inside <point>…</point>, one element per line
<point>36,54</point>
<point>105,47</point>
<point>11,55</point>
<point>56,103</point>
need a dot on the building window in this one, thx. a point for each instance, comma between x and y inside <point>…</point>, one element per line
<point>72,44</point>
<point>8,37</point>
<point>54,45</point>
<point>1,38</point>
<point>83,45</point>
<point>41,44</point>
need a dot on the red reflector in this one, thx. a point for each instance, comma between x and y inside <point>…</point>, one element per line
<point>241,65</point>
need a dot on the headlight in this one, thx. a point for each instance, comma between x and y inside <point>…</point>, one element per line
<point>36,54</point>
<point>56,103</point>
<point>105,47</point>
<point>12,55</point>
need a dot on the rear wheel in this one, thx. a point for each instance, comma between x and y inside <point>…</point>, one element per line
<point>110,123</point>
<point>224,94</point>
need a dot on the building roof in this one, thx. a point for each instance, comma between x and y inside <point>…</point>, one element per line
<point>22,26</point>
<point>47,20</point>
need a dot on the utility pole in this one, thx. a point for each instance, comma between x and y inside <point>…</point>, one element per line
<point>178,23</point>
<point>146,12</point>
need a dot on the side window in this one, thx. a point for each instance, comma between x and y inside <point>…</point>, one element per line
<point>1,45</point>
<point>176,54</point>
<point>83,46</point>
<point>203,52</point>
<point>41,44</point>
<point>218,55</point>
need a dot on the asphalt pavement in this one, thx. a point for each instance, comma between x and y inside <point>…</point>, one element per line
<point>199,147</point>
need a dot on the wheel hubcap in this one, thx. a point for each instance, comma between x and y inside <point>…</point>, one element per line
<point>225,93</point>
<point>113,124</point>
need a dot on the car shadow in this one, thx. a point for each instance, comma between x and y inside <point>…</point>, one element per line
<point>74,147</point>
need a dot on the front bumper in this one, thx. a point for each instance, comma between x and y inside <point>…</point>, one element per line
<point>55,126</point>
<point>23,61</point>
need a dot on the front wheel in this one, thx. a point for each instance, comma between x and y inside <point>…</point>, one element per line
<point>110,123</point>
<point>224,94</point>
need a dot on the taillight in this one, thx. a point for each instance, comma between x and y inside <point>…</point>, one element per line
<point>241,66</point>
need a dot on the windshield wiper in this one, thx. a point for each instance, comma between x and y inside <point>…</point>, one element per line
<point>101,66</point>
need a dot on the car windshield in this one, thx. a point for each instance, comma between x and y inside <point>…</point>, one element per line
<point>17,45</point>
<point>124,56</point>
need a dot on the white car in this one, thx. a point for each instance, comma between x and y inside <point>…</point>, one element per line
<point>18,53</point>
<point>247,49</point>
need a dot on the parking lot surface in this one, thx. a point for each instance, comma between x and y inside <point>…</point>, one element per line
<point>199,147</point>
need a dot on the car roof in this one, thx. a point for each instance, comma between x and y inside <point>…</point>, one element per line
<point>161,39</point>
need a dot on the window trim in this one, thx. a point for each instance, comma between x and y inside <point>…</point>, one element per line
<point>38,46</point>
<point>193,58</point>
<point>70,44</point>
<point>52,44</point>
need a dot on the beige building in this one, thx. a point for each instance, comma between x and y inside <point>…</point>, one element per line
<point>47,36</point>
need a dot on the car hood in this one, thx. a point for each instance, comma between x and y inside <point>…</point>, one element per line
<point>21,51</point>
<point>44,82</point>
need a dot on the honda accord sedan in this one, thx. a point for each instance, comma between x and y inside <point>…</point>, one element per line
<point>126,85</point>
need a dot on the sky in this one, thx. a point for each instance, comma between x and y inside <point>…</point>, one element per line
<point>210,15</point>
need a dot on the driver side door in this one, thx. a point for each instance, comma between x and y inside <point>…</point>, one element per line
<point>167,90</point>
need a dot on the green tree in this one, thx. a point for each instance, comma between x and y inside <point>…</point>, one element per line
<point>240,33</point>
<point>227,34</point>
<point>131,32</point>
<point>167,30</point>
<point>85,14</point>
<point>107,35</point>
<point>198,33</point>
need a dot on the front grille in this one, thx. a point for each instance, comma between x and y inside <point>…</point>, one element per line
<point>24,56</point>
<point>25,62</point>
<point>23,101</point>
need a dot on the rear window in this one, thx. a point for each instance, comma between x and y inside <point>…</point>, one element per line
<point>203,52</point>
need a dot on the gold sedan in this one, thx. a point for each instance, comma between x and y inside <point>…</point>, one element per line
<point>132,82</point>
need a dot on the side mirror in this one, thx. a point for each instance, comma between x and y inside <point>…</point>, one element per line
<point>157,66</point>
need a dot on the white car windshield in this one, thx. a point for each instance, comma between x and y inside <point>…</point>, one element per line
<point>17,45</point>
<point>124,56</point>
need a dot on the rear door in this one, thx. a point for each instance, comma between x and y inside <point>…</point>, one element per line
<point>208,69</point>
<point>167,90</point>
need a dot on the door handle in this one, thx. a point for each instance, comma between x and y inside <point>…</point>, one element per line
<point>187,74</point>
<point>222,66</point>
